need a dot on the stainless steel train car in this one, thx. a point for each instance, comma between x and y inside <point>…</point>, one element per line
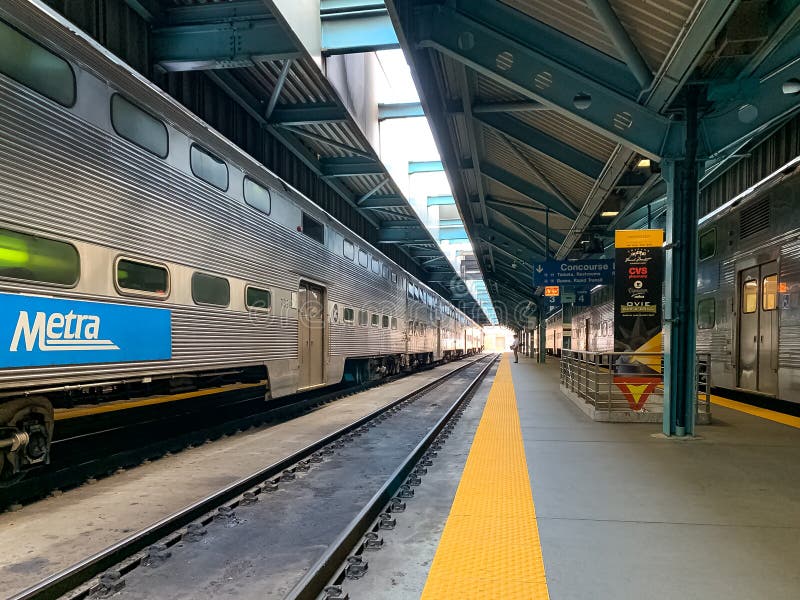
<point>141,252</point>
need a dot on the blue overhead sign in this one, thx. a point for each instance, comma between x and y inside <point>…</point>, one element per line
<point>573,272</point>
<point>37,331</point>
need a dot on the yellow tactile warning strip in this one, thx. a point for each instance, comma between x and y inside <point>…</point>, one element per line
<point>490,545</point>
<point>756,411</point>
<point>74,413</point>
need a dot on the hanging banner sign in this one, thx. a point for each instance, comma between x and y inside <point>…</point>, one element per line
<point>638,296</point>
<point>573,272</point>
<point>551,290</point>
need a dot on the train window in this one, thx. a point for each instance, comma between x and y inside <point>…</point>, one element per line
<point>707,244</point>
<point>363,318</point>
<point>257,196</point>
<point>139,126</point>
<point>385,322</point>
<point>394,277</point>
<point>32,65</point>
<point>769,292</point>
<point>208,167</point>
<point>363,259</point>
<point>134,276</point>
<point>313,228</point>
<point>394,322</point>
<point>207,289</point>
<point>385,272</point>
<point>349,315</point>
<point>749,296</point>
<point>258,298</point>
<point>33,258</point>
<point>376,320</point>
<point>705,313</point>
<point>376,266</point>
<point>348,249</point>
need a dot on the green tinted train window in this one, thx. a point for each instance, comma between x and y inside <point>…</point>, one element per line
<point>142,277</point>
<point>207,289</point>
<point>708,244</point>
<point>42,260</point>
<point>29,63</point>
<point>258,298</point>
<point>705,313</point>
<point>349,315</point>
<point>139,127</point>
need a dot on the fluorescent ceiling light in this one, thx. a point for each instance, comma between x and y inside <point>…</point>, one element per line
<point>643,163</point>
<point>609,213</point>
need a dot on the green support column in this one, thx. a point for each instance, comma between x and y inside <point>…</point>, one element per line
<point>680,379</point>
<point>542,326</point>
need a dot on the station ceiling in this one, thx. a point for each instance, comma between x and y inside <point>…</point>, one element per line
<point>247,49</point>
<point>550,113</point>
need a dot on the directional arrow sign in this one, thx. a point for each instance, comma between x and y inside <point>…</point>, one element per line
<point>579,273</point>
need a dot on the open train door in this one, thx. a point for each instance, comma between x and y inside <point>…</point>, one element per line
<point>311,335</point>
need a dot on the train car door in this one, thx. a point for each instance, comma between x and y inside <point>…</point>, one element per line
<point>438,338</point>
<point>758,328</point>
<point>586,325</point>
<point>311,335</point>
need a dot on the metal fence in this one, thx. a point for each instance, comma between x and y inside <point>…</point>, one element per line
<point>627,382</point>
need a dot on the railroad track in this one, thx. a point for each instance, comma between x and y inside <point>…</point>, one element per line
<point>82,453</point>
<point>238,509</point>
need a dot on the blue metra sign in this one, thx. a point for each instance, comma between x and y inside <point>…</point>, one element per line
<point>573,272</point>
<point>36,331</point>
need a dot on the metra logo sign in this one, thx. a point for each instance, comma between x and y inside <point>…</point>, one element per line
<point>37,331</point>
<point>59,332</point>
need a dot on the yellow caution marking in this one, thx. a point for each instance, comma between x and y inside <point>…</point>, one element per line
<point>756,411</point>
<point>74,413</point>
<point>490,546</point>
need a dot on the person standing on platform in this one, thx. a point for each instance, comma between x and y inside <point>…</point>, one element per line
<point>515,348</point>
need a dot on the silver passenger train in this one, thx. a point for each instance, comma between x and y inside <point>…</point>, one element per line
<point>142,253</point>
<point>748,307</point>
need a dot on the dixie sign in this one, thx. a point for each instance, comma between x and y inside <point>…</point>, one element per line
<point>578,273</point>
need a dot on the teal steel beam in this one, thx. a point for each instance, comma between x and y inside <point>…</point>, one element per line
<point>372,191</point>
<point>530,223</point>
<point>529,71</point>
<point>401,110</point>
<point>217,12</point>
<point>508,242</point>
<point>220,45</point>
<point>424,166</point>
<point>385,201</point>
<point>619,36</point>
<point>327,141</point>
<point>680,352</point>
<point>526,188</point>
<point>149,10</point>
<point>538,140</point>
<point>359,27</point>
<point>276,91</point>
<point>350,166</point>
<point>755,109</point>
<point>308,114</point>
<point>402,235</point>
<point>465,85</point>
<point>454,107</point>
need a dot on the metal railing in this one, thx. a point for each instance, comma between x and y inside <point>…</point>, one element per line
<point>624,382</point>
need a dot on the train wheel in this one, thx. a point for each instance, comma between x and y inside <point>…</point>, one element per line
<point>26,430</point>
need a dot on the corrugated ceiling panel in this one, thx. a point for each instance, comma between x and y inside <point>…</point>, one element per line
<point>569,182</point>
<point>568,131</point>
<point>653,25</point>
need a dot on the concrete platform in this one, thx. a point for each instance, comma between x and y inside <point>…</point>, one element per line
<point>624,514</point>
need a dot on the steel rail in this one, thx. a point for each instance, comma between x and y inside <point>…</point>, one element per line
<point>68,579</point>
<point>329,564</point>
